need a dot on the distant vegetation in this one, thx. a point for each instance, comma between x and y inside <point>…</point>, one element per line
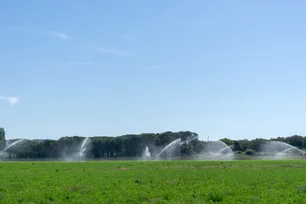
<point>102,146</point>
<point>130,145</point>
<point>2,138</point>
<point>255,145</point>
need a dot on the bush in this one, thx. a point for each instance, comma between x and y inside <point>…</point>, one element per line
<point>249,152</point>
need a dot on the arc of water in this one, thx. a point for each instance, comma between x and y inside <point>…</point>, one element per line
<point>293,148</point>
<point>83,146</point>
<point>218,149</point>
<point>14,143</point>
<point>192,137</point>
<point>227,147</point>
<point>287,147</point>
<point>177,141</point>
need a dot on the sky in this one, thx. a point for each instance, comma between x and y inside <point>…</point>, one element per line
<point>232,69</point>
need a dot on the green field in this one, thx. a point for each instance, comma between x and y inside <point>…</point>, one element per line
<point>153,182</point>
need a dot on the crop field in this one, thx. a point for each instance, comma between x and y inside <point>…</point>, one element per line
<point>153,182</point>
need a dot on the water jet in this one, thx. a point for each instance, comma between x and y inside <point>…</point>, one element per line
<point>146,155</point>
<point>11,145</point>
<point>83,147</point>
<point>216,150</point>
<point>170,149</point>
<point>280,150</point>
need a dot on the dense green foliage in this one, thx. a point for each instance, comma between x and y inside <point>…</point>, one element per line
<point>2,138</point>
<point>104,147</point>
<point>131,145</point>
<point>249,152</point>
<point>153,182</point>
<point>243,145</point>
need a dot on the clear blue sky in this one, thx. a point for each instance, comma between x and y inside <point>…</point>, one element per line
<point>219,68</point>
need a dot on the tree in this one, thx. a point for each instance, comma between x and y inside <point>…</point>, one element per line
<point>2,138</point>
<point>237,146</point>
<point>256,144</point>
<point>249,152</point>
<point>244,145</point>
<point>227,141</point>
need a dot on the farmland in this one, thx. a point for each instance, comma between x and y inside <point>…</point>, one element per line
<point>254,181</point>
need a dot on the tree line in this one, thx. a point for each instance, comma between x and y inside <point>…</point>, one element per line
<point>131,145</point>
<point>255,145</point>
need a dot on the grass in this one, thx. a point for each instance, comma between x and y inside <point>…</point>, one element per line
<point>153,182</point>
